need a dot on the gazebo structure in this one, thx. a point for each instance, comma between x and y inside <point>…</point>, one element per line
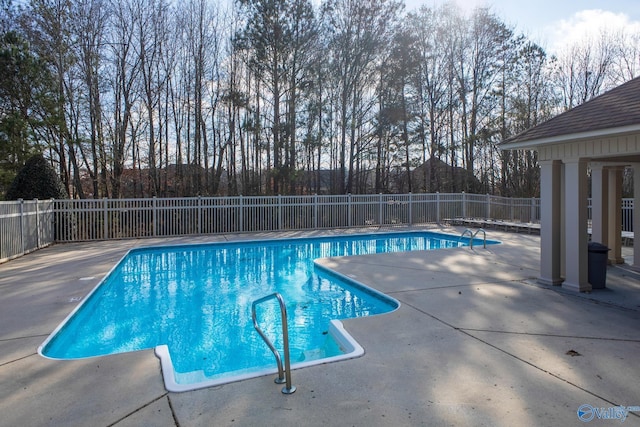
<point>603,136</point>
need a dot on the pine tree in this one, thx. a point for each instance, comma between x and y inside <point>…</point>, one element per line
<point>36,180</point>
<point>26,105</point>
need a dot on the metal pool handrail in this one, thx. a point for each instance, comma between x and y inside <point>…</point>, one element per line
<point>473,235</point>
<point>485,237</point>
<point>288,388</point>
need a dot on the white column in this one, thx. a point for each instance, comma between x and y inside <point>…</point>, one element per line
<point>563,242</point>
<point>636,216</point>
<point>576,237</point>
<point>614,240</point>
<point>550,220</point>
<point>599,204</point>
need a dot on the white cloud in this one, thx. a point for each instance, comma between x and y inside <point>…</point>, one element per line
<point>585,25</point>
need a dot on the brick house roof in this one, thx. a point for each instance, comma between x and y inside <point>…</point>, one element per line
<point>614,112</point>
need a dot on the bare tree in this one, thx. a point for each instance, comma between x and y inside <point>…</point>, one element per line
<point>627,56</point>
<point>89,22</point>
<point>50,34</point>
<point>163,98</point>
<point>150,46</point>
<point>359,31</point>
<point>478,67</point>
<point>584,69</point>
<point>125,68</point>
<point>430,82</point>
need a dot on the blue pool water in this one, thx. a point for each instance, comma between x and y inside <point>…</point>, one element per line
<point>196,300</point>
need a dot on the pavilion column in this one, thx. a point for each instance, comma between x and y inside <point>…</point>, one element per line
<point>599,204</point>
<point>636,216</point>
<point>550,219</point>
<point>614,240</point>
<point>576,237</point>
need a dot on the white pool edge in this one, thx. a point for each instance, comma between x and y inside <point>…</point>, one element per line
<point>336,329</point>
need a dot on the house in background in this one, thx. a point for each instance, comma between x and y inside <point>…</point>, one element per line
<point>602,135</point>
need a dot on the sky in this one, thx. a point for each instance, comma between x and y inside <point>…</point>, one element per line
<point>555,23</point>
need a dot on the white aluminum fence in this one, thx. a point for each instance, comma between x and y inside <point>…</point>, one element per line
<point>627,215</point>
<point>25,226</point>
<point>79,220</point>
<point>29,225</point>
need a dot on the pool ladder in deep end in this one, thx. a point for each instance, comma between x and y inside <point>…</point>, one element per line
<point>284,375</point>
<point>473,235</point>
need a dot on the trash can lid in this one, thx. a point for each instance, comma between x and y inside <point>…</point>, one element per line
<point>597,247</point>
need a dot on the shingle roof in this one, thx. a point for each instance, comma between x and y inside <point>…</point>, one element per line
<point>619,107</point>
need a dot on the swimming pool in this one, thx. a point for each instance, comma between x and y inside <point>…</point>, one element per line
<point>192,303</point>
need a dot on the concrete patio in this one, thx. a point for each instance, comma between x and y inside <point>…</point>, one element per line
<point>475,342</point>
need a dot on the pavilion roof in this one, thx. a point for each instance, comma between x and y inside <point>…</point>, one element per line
<point>614,112</point>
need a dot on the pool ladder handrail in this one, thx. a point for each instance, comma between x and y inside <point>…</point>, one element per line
<point>284,375</point>
<point>473,236</point>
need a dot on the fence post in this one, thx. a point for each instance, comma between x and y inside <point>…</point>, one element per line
<point>438,207</point>
<point>349,210</point>
<point>315,211</point>
<point>488,214</point>
<point>410,208</point>
<point>380,213</point>
<point>21,226</point>
<point>53,221</point>
<point>511,209</point>
<point>154,216</point>
<point>241,213</point>
<point>280,212</point>
<point>199,214</point>
<point>464,204</point>
<point>105,219</point>
<point>37,224</point>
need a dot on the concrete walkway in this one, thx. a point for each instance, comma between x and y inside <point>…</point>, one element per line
<point>475,342</point>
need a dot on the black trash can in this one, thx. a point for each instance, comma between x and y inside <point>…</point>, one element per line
<point>598,254</point>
